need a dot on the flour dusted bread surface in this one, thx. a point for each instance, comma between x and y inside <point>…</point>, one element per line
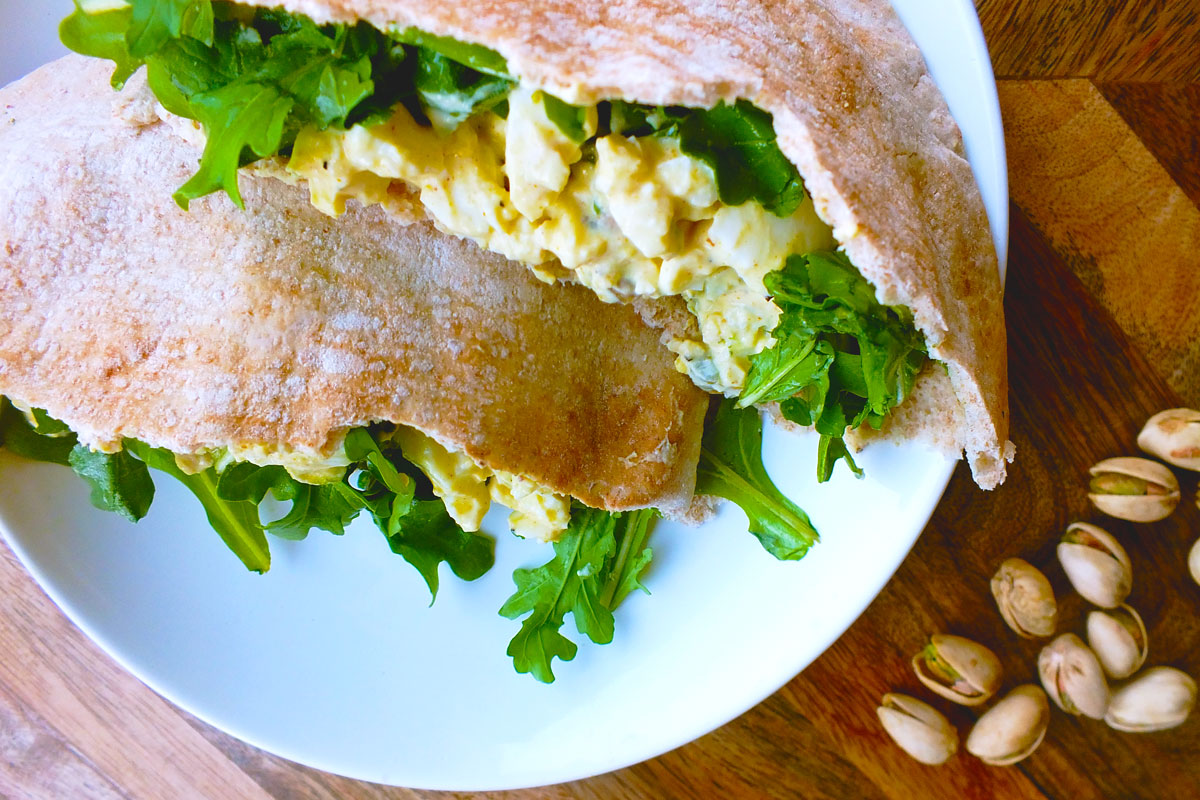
<point>855,110</point>
<point>125,316</point>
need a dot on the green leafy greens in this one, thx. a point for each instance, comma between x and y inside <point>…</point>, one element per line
<point>255,77</point>
<point>597,562</point>
<point>379,480</point>
<point>731,467</point>
<point>841,358</point>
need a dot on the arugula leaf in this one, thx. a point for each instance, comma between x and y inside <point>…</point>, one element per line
<point>426,536</point>
<point>632,558</point>
<point>154,22</point>
<point>421,531</point>
<point>101,35</point>
<point>253,121</point>
<point>235,521</point>
<point>451,92</point>
<point>572,582</point>
<point>794,363</point>
<point>47,443</point>
<point>571,120</point>
<point>731,467</point>
<point>120,483</point>
<point>829,450</point>
<point>738,142</point>
<point>841,357</point>
<point>475,56</point>
<point>328,506</point>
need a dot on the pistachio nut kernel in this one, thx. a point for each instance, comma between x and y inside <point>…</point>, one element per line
<point>1118,638</point>
<point>958,669</point>
<point>1025,599</point>
<point>1174,436</point>
<point>918,728</point>
<point>1135,489</point>
<point>1012,729</point>
<point>1157,699</point>
<point>1096,564</point>
<point>1194,561</point>
<point>1073,677</point>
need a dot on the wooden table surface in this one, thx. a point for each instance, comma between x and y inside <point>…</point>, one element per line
<point>1101,102</point>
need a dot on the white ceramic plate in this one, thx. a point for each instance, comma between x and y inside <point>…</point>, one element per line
<point>333,659</point>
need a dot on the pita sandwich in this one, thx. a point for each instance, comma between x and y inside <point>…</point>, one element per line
<point>759,160</point>
<point>287,349</point>
<point>787,169</point>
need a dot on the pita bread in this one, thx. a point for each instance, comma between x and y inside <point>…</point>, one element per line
<point>126,317</point>
<point>855,110</point>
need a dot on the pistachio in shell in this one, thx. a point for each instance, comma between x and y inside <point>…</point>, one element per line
<point>1096,564</point>
<point>958,669</point>
<point>1118,638</point>
<point>918,728</point>
<point>1025,599</point>
<point>1012,729</point>
<point>1134,489</point>
<point>1194,561</point>
<point>1157,699</point>
<point>1073,677</point>
<point>1174,436</point>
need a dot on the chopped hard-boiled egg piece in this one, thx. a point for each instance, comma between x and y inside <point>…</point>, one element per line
<point>627,217</point>
<point>467,488</point>
<point>459,481</point>
<point>536,512</point>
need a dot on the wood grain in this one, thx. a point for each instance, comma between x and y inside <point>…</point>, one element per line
<point>1102,311</point>
<point>1090,185</point>
<point>1122,40</point>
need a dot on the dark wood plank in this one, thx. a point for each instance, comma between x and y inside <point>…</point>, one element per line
<point>1160,114</point>
<point>1115,215</point>
<point>1119,40</point>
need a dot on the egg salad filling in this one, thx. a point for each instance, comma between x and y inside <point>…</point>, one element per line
<point>468,489</point>
<point>626,216</point>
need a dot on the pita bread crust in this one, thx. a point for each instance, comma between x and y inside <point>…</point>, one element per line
<point>854,109</point>
<point>126,317</point>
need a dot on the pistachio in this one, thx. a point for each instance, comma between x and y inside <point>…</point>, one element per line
<point>958,669</point>
<point>1135,489</point>
<point>1025,599</point>
<point>1073,677</point>
<point>1194,561</point>
<point>1096,564</point>
<point>1174,436</point>
<point>1118,638</point>
<point>1011,729</point>
<point>919,728</point>
<point>1159,698</point>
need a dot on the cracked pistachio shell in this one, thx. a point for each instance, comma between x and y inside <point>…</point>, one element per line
<point>958,669</point>
<point>1194,561</point>
<point>1025,599</point>
<point>918,728</point>
<point>1174,436</point>
<point>1096,564</point>
<point>1136,489</point>
<point>1073,677</point>
<point>1157,699</point>
<point>1012,729</point>
<point>1118,638</point>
